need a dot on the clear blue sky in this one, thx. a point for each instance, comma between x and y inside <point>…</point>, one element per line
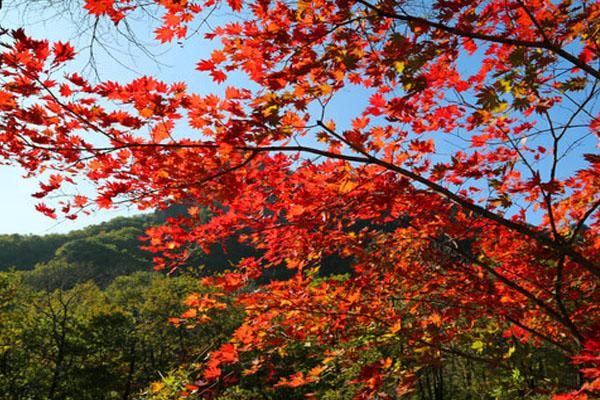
<point>173,63</point>
<point>17,211</point>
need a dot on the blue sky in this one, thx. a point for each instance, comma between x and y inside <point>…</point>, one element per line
<point>172,63</point>
<point>16,204</point>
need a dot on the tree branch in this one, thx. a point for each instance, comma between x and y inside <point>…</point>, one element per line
<point>485,37</point>
<point>541,238</point>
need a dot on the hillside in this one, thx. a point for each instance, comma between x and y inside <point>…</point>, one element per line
<point>100,253</point>
<point>24,252</point>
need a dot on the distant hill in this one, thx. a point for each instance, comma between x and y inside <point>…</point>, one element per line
<point>24,252</point>
<point>100,252</point>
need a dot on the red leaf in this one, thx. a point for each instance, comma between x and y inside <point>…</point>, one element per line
<point>164,34</point>
<point>50,212</point>
<point>63,52</point>
<point>236,5</point>
<point>377,100</point>
<point>218,76</point>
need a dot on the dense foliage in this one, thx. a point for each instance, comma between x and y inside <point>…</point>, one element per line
<point>88,343</point>
<point>64,337</point>
<point>463,191</point>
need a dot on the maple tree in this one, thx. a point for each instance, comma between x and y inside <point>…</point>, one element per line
<point>465,185</point>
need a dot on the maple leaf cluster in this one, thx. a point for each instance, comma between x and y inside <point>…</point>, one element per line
<point>465,184</point>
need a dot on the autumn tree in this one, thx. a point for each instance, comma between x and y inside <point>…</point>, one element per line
<point>462,190</point>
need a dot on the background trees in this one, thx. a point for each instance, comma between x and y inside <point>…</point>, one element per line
<point>475,143</point>
<point>85,343</point>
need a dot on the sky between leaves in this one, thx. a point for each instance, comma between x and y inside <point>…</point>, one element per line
<point>16,204</point>
<point>115,58</point>
<point>122,62</point>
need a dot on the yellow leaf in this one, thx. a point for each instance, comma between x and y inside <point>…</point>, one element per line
<point>271,110</point>
<point>347,186</point>
<point>325,89</point>
<point>478,345</point>
<point>500,107</point>
<point>316,371</point>
<point>399,66</point>
<point>505,85</point>
<point>156,387</point>
<point>510,352</point>
<point>322,137</point>
<point>338,75</point>
<point>436,319</point>
<point>396,327</point>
